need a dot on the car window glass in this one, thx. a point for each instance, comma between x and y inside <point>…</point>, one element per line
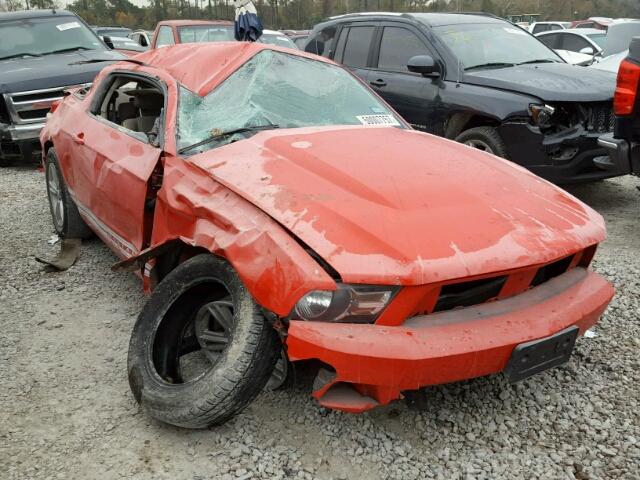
<point>135,105</point>
<point>322,42</point>
<point>356,50</point>
<point>44,36</point>
<point>274,88</point>
<point>555,27</point>
<point>165,37</point>
<point>205,33</point>
<point>574,43</point>
<point>397,47</point>
<point>540,28</point>
<point>551,40</point>
<point>342,40</point>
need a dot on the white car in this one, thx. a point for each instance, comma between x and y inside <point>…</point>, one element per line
<point>274,37</point>
<point>539,27</point>
<point>578,46</point>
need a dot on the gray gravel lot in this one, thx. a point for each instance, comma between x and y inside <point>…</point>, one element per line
<point>66,410</point>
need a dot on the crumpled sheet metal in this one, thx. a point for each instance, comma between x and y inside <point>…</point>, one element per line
<point>378,226</point>
<point>66,257</point>
<point>227,56</point>
<point>273,266</point>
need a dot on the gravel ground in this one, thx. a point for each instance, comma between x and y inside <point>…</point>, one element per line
<point>66,410</point>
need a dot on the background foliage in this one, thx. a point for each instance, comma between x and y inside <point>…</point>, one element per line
<point>306,13</point>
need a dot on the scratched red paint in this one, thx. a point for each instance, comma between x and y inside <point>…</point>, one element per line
<point>379,205</point>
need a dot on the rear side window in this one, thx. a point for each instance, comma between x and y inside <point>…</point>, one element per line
<point>397,47</point>
<point>541,28</point>
<point>574,43</point>
<point>165,37</point>
<point>356,50</point>
<point>552,41</point>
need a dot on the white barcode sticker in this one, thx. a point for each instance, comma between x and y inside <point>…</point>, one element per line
<point>67,26</point>
<point>377,120</point>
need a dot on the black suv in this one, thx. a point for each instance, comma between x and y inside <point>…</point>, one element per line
<point>481,81</point>
<point>624,144</point>
<point>42,53</point>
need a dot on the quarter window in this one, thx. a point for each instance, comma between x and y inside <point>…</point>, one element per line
<point>356,50</point>
<point>165,37</point>
<point>552,41</point>
<point>322,42</point>
<point>397,47</point>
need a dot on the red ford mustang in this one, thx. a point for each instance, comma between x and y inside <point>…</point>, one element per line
<point>272,203</point>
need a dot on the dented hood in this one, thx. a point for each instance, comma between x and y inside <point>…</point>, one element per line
<point>550,82</point>
<point>391,206</point>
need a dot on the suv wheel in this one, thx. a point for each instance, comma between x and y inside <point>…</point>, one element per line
<point>486,139</point>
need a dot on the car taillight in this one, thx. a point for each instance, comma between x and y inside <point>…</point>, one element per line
<point>627,88</point>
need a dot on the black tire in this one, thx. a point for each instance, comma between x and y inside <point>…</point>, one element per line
<point>484,138</point>
<point>5,162</point>
<point>167,328</point>
<point>69,224</point>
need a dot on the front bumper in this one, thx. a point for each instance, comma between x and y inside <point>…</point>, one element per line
<point>528,147</point>
<point>17,133</point>
<point>20,142</point>
<point>622,154</point>
<point>373,364</point>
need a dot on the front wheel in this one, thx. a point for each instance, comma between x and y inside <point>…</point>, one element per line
<point>486,139</point>
<point>201,350</point>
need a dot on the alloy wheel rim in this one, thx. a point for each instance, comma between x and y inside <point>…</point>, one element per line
<point>55,196</point>
<point>213,324</point>
<point>479,144</point>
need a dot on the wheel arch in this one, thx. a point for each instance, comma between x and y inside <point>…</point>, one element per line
<point>459,122</point>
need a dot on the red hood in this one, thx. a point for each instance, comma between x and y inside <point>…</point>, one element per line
<point>384,205</point>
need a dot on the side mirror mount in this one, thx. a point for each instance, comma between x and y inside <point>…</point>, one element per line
<point>425,65</point>
<point>107,41</point>
<point>587,51</point>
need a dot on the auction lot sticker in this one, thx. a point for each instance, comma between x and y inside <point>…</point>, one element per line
<point>67,26</point>
<point>377,120</point>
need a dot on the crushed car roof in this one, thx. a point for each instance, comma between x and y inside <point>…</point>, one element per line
<point>34,14</point>
<point>215,61</point>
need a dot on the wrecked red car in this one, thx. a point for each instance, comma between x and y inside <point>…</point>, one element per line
<point>271,202</point>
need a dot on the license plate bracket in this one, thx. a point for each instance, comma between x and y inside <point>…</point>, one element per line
<point>536,356</point>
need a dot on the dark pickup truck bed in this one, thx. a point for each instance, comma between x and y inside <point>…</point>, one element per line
<point>623,145</point>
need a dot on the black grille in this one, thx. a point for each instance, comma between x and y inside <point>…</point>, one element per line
<point>40,113</point>
<point>599,117</point>
<point>551,270</point>
<point>469,293</point>
<point>4,114</point>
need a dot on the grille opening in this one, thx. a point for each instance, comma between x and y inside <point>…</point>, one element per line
<point>38,96</point>
<point>33,114</point>
<point>552,270</point>
<point>466,294</point>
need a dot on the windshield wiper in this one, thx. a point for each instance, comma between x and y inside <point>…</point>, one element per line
<point>490,65</point>
<point>542,60</point>
<point>18,55</point>
<point>218,136</point>
<point>65,50</point>
<point>114,60</point>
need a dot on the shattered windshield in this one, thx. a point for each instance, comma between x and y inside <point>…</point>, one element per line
<point>277,90</point>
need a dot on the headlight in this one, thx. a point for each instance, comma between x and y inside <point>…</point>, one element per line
<point>349,304</point>
<point>541,114</point>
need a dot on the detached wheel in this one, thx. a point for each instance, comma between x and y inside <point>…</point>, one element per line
<point>64,212</point>
<point>486,139</point>
<point>200,350</point>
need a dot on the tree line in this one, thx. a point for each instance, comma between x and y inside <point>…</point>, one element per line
<point>302,14</point>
